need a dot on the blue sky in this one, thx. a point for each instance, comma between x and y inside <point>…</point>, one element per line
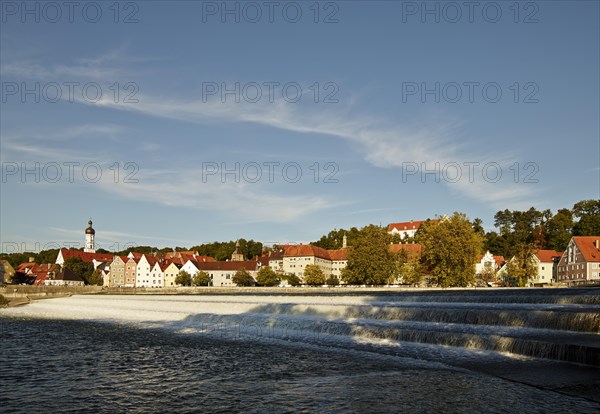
<point>369,131</point>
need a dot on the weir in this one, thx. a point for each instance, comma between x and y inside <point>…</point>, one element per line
<point>553,324</point>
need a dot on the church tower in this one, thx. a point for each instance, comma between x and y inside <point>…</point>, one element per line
<point>90,245</point>
<point>237,255</point>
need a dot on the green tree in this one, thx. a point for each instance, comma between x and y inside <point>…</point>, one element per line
<point>558,229</point>
<point>313,275</point>
<point>369,260</point>
<point>96,278</point>
<point>410,272</point>
<point>201,278</point>
<point>47,256</point>
<point>488,274</point>
<point>80,268</point>
<point>494,243</point>
<point>267,277</point>
<point>522,267</point>
<point>332,280</point>
<point>450,249</point>
<point>586,208</point>
<point>15,259</point>
<point>243,278</point>
<point>183,278</point>
<point>478,226</point>
<point>292,279</point>
<point>588,212</point>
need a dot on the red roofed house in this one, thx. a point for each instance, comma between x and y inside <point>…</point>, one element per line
<point>339,261</point>
<point>174,254</point>
<point>580,263</point>
<point>406,228</point>
<point>546,261</point>
<point>296,258</point>
<point>170,273</point>
<point>130,270</point>
<point>145,276</point>
<point>221,273</point>
<point>117,271</point>
<point>50,274</point>
<point>488,263</point>
<point>94,258</point>
<point>43,271</point>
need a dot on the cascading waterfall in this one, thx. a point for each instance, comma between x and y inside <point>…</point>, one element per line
<point>556,324</point>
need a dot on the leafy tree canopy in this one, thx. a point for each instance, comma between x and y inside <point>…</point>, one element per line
<point>267,277</point>
<point>183,278</point>
<point>313,275</point>
<point>243,278</point>
<point>369,260</point>
<point>201,278</point>
<point>80,268</point>
<point>450,249</point>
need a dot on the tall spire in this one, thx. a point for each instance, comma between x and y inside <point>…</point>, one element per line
<point>90,234</point>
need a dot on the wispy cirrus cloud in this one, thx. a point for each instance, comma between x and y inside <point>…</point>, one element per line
<point>383,143</point>
<point>243,200</point>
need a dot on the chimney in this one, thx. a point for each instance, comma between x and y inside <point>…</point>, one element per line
<point>597,243</point>
<point>31,259</point>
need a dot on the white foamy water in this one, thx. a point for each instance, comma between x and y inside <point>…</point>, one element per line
<point>383,324</point>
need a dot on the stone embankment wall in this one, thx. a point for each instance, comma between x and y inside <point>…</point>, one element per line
<point>23,291</point>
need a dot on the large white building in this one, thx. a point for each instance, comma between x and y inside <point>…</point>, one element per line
<point>221,273</point>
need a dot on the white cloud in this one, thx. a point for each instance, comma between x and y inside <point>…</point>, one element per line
<point>242,200</point>
<point>383,143</point>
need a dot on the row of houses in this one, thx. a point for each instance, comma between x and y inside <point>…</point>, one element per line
<point>45,274</point>
<point>579,264</point>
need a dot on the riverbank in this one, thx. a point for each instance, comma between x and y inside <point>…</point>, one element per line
<point>18,295</point>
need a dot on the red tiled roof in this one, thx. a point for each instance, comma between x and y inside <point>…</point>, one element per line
<point>412,249</point>
<point>306,250</point>
<point>249,265</point>
<point>151,259</point>
<point>498,259</point>
<point>87,257</point>
<point>407,225</point>
<point>338,254</point>
<point>205,259</point>
<point>587,246</point>
<point>25,267</point>
<point>547,255</point>
<point>170,255</point>
<point>39,279</point>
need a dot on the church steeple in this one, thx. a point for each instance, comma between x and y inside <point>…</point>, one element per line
<point>237,255</point>
<point>90,233</point>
